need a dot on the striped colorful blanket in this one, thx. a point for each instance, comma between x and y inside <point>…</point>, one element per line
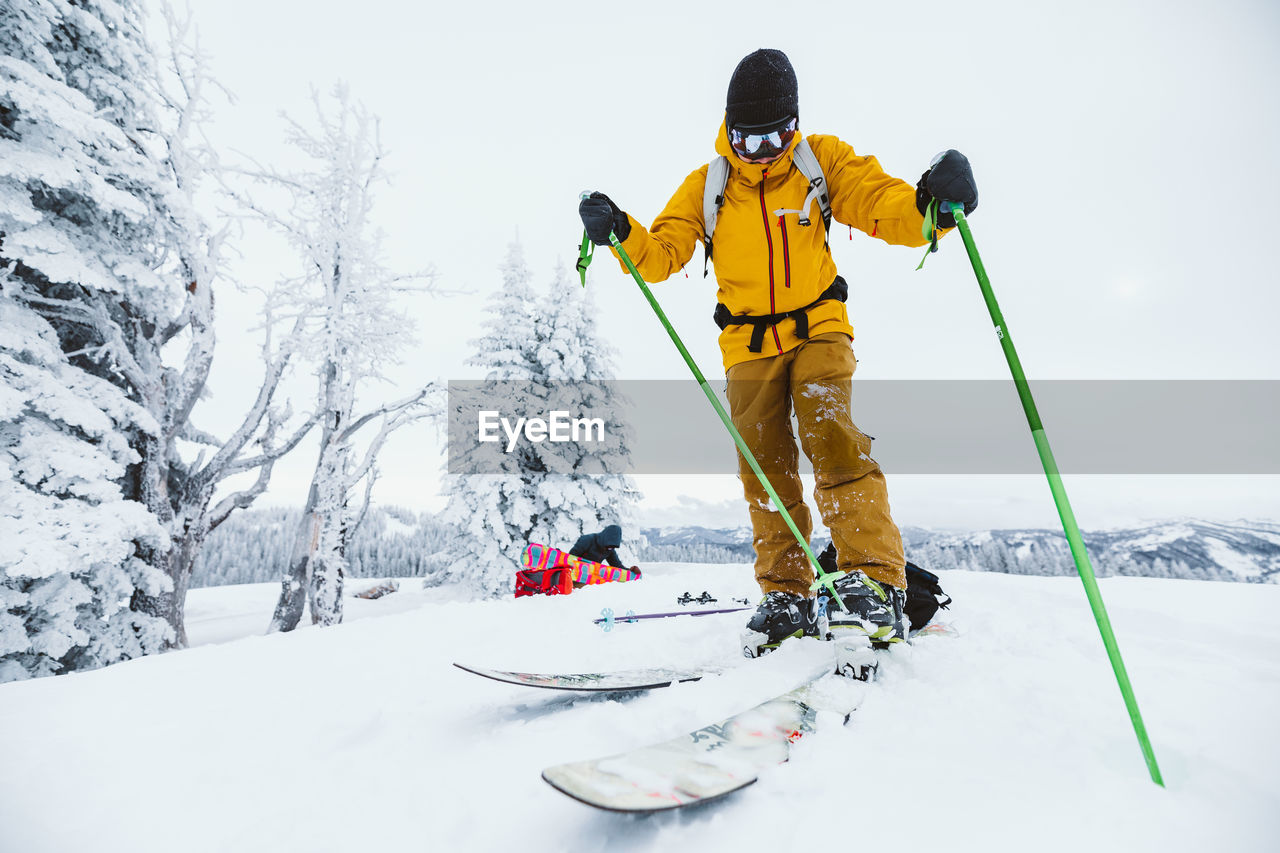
<point>537,556</point>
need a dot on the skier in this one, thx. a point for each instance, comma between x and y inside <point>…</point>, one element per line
<point>602,547</point>
<point>785,335</point>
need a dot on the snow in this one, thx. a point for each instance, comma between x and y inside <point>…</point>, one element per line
<point>1164,535</point>
<point>1229,558</point>
<point>1009,736</point>
<point>396,527</point>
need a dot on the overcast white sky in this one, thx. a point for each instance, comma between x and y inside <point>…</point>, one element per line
<point>1125,153</point>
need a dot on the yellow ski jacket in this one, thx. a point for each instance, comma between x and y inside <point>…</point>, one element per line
<point>766,264</point>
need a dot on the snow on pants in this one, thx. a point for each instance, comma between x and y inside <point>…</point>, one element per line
<point>850,492</point>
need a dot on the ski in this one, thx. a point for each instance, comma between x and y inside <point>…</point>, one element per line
<point>599,682</point>
<point>716,760</point>
<point>649,678</point>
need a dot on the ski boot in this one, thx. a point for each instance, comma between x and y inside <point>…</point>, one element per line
<point>873,610</point>
<point>781,616</point>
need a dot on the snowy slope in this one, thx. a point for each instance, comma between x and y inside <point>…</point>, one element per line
<point>1011,736</point>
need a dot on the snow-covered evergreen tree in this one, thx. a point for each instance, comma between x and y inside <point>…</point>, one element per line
<point>69,567</point>
<point>583,487</point>
<point>508,350</point>
<point>354,330</point>
<point>493,511</point>
<point>544,352</point>
<point>98,230</point>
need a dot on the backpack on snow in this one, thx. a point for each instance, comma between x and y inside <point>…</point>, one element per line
<point>923,590</point>
<point>552,581</point>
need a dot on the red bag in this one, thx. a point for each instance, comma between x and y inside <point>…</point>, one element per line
<point>553,581</point>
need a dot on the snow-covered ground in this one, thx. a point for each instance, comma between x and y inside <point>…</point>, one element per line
<point>1010,736</point>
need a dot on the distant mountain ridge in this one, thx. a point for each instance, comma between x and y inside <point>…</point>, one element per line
<point>254,546</point>
<point>1245,551</point>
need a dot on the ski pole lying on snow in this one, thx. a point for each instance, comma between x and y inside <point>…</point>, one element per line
<point>824,578</point>
<point>1069,526</point>
<point>608,620</point>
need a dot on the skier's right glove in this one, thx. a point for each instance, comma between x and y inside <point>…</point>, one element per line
<point>949,178</point>
<point>600,216</point>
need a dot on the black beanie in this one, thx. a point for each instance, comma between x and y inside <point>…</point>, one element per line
<point>762,90</point>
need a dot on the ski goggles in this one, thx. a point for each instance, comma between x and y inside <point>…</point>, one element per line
<point>762,142</point>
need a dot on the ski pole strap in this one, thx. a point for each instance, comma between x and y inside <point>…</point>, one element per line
<point>585,254</point>
<point>929,230</point>
<point>839,289</point>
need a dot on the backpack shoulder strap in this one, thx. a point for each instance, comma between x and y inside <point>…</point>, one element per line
<point>712,199</point>
<point>807,162</point>
<point>718,178</point>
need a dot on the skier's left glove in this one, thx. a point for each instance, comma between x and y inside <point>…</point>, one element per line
<point>948,178</point>
<point>600,216</point>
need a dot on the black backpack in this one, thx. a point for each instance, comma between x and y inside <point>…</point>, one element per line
<point>923,589</point>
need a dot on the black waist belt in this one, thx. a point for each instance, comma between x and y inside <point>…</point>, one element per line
<point>839,289</point>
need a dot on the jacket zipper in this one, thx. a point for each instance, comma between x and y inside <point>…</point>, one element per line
<point>786,253</point>
<point>764,212</point>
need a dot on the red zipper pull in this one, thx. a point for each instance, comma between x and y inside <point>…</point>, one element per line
<point>874,229</point>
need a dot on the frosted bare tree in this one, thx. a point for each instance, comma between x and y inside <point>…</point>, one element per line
<point>267,430</point>
<point>102,240</point>
<point>355,330</point>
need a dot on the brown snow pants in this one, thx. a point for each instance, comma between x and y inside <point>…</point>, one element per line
<point>850,492</point>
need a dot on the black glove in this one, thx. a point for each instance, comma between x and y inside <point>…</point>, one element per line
<point>949,178</point>
<point>600,216</point>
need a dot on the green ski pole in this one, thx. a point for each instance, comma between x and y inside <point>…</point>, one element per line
<point>1069,526</point>
<point>824,579</point>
